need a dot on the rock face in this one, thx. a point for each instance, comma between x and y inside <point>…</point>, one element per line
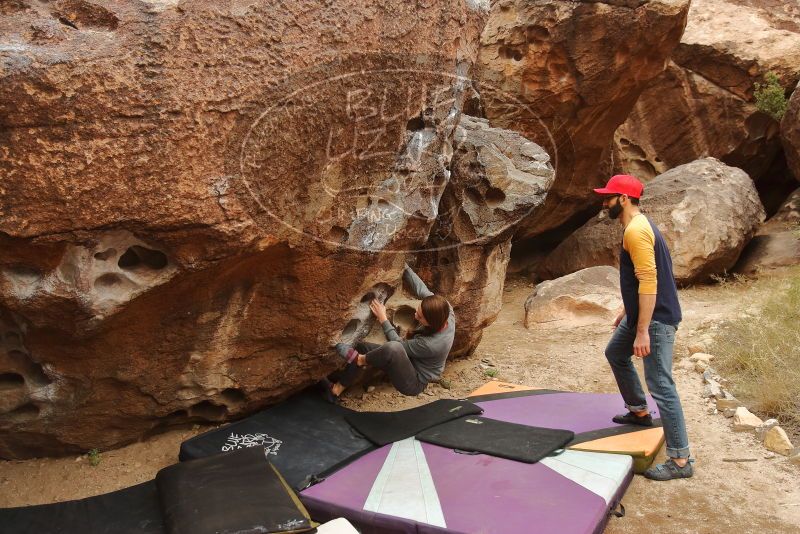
<point>706,211</point>
<point>770,250</point>
<point>199,199</point>
<point>498,179</point>
<point>790,134</point>
<point>789,213</point>
<point>587,296</point>
<point>703,104</point>
<point>566,74</point>
<point>777,243</point>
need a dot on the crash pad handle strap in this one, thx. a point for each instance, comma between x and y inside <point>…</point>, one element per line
<point>471,453</point>
<point>618,513</point>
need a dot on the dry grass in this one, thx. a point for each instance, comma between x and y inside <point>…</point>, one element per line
<point>760,354</point>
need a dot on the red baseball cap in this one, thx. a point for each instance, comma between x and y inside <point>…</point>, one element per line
<point>622,184</point>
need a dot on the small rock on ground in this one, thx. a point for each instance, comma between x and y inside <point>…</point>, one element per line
<point>776,440</point>
<point>701,357</point>
<point>712,389</point>
<point>727,401</point>
<point>744,420</point>
<point>762,429</point>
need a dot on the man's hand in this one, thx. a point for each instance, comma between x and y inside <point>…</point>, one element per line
<point>620,317</point>
<point>641,345</point>
<point>378,309</point>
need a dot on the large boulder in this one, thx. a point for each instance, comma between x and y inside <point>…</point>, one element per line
<point>198,200</point>
<point>777,243</point>
<point>789,213</point>
<point>706,210</point>
<point>588,296</point>
<point>790,134</point>
<point>565,75</point>
<point>770,249</point>
<point>498,179</point>
<point>703,104</point>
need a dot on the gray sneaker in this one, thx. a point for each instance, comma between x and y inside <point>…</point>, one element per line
<point>669,470</point>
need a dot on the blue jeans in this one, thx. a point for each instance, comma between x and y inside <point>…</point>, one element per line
<point>657,373</point>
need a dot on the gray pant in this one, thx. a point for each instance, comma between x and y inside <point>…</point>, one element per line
<point>391,358</point>
<point>657,374</point>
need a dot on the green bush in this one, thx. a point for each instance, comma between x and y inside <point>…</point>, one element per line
<point>770,96</point>
<point>760,354</point>
<point>94,457</point>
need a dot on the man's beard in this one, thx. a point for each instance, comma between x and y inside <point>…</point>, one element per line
<point>614,211</point>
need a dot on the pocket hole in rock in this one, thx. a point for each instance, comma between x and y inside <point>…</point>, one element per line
<point>494,197</point>
<point>26,412</point>
<point>415,124</point>
<point>137,257</point>
<point>351,327</point>
<point>66,22</point>
<point>208,410</point>
<point>511,53</point>
<point>473,195</point>
<point>178,414</point>
<point>404,316</point>
<point>75,13</point>
<point>33,372</point>
<point>338,234</point>
<point>24,274</point>
<point>108,280</point>
<point>233,396</point>
<point>106,254</point>
<point>538,33</point>
<point>13,338</point>
<point>368,297</point>
<point>11,381</point>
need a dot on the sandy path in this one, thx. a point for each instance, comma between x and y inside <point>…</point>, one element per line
<point>757,496</point>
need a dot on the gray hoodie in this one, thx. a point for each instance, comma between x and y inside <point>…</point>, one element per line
<point>427,352</point>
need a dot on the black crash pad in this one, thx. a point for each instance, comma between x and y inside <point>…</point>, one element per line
<point>131,510</point>
<point>387,427</point>
<point>523,443</point>
<point>305,437</point>
<point>234,492</point>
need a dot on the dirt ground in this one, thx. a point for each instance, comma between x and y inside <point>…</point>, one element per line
<point>759,494</point>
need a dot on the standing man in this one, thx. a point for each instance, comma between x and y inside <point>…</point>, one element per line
<point>646,327</point>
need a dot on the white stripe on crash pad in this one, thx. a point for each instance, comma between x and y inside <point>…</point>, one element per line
<point>404,486</point>
<point>599,473</point>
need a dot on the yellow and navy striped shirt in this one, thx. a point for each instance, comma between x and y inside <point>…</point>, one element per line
<point>645,267</point>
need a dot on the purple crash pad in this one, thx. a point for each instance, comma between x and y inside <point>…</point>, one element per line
<point>579,412</point>
<point>570,493</point>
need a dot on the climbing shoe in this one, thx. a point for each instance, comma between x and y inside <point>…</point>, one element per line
<point>327,391</point>
<point>631,418</point>
<point>669,470</point>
